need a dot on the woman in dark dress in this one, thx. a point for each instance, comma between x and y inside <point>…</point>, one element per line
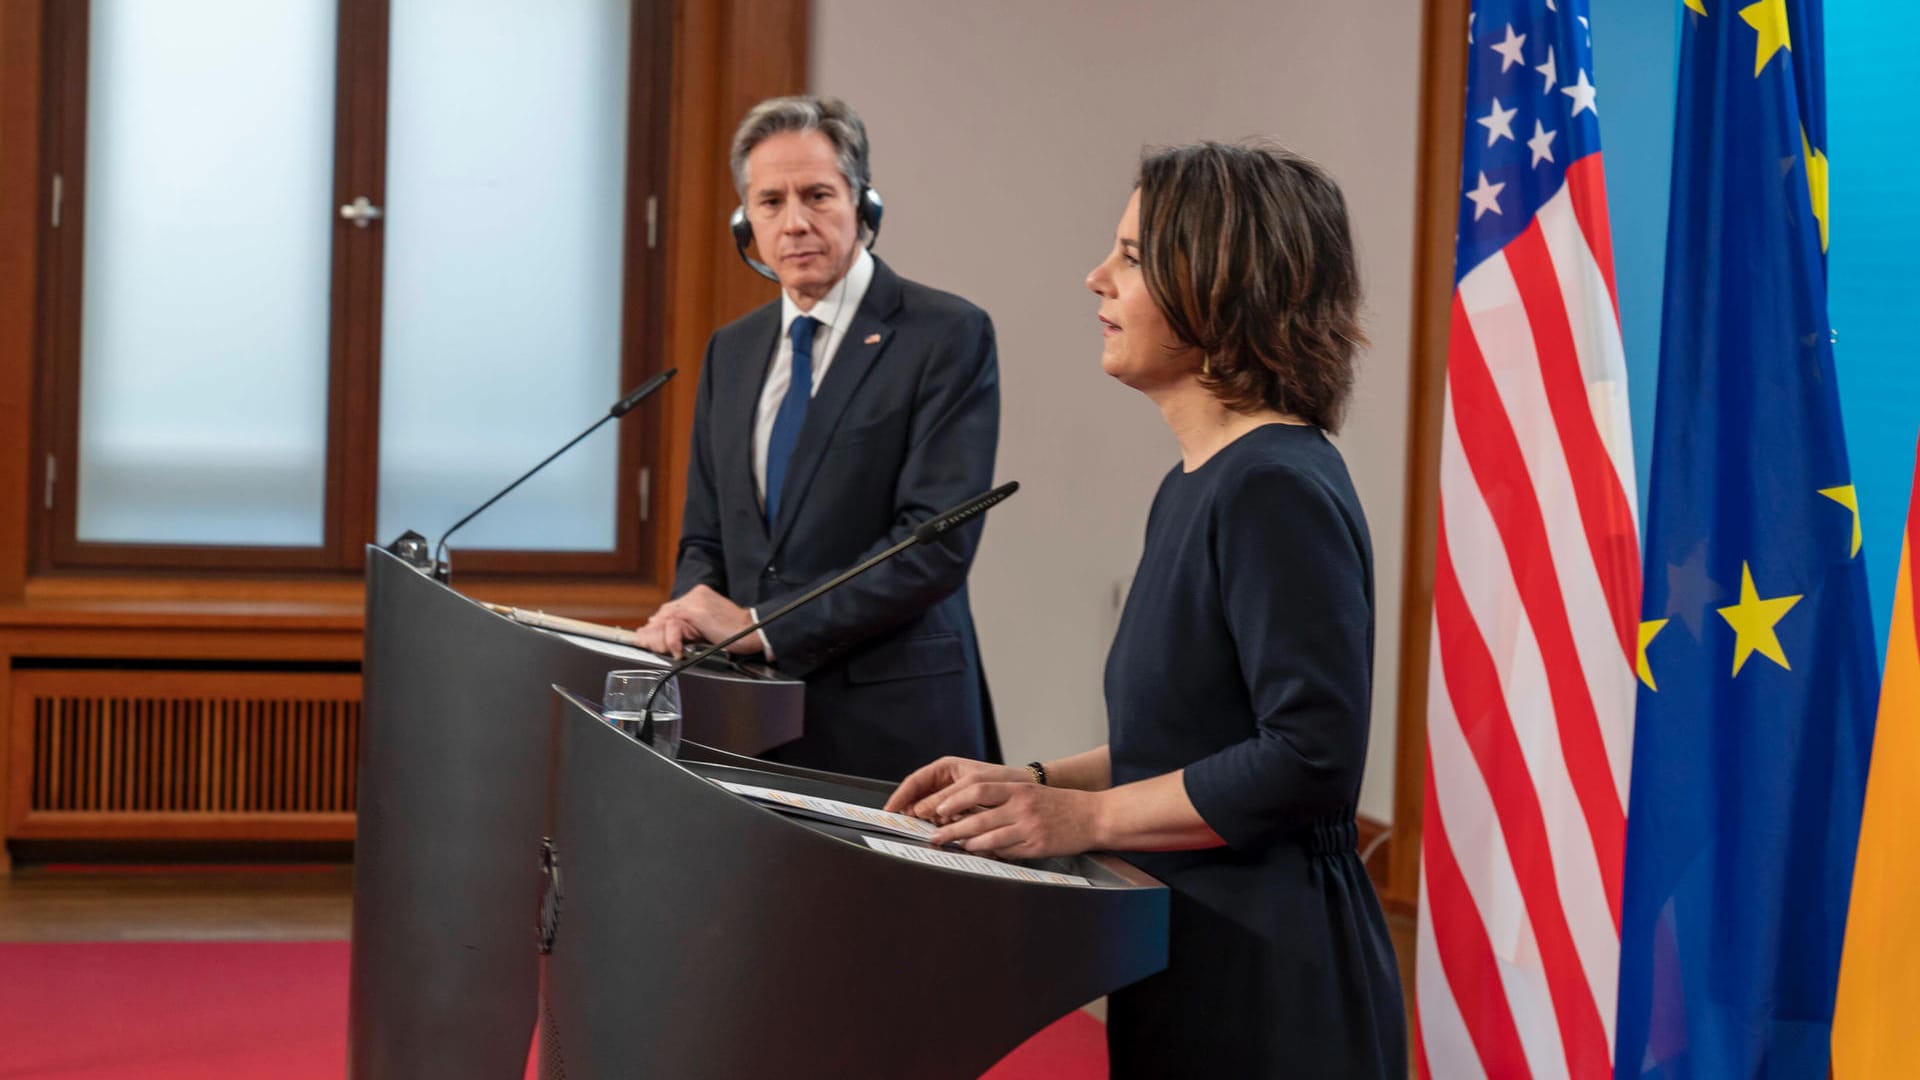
<point>1238,685</point>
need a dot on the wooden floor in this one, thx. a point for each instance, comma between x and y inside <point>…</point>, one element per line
<point>142,903</point>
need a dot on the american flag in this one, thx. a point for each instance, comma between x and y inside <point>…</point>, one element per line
<point>1536,580</point>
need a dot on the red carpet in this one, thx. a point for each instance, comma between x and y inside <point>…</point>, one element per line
<point>173,1011</point>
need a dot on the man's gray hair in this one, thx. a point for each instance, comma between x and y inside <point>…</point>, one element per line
<point>829,116</point>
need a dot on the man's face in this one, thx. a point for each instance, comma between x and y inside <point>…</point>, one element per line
<point>802,213</point>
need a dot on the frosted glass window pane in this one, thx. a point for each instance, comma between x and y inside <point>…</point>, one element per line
<point>506,152</point>
<point>203,350</point>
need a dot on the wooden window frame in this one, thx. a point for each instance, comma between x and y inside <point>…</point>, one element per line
<point>352,463</point>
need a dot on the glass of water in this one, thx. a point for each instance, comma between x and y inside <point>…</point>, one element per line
<point>625,701</point>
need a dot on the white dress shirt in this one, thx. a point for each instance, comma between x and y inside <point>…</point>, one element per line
<point>835,313</point>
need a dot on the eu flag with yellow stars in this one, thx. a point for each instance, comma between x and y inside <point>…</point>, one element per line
<point>1758,675</point>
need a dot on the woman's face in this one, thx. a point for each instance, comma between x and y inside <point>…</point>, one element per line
<point>1141,350</point>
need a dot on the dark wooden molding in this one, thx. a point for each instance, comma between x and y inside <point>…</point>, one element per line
<point>765,56</point>
<point>1443,78</point>
<point>644,437</point>
<point>353,344</point>
<point>20,202</point>
<point>727,57</point>
<point>56,280</point>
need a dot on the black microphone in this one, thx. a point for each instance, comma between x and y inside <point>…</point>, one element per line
<point>620,408</point>
<point>929,530</point>
<point>645,390</point>
<point>940,524</point>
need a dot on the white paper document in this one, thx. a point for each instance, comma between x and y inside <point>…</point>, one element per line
<point>641,657</point>
<point>972,864</point>
<point>835,810</point>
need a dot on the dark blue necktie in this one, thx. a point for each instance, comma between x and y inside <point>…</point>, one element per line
<point>793,412</point>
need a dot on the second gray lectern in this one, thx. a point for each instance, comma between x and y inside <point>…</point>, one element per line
<point>693,933</point>
<point>453,788</point>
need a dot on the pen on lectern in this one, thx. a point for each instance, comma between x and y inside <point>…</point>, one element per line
<point>583,628</point>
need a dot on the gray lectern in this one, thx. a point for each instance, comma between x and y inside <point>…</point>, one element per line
<point>694,933</point>
<point>453,787</point>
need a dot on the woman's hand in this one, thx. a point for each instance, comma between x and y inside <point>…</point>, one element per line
<point>1022,820</point>
<point>919,792</point>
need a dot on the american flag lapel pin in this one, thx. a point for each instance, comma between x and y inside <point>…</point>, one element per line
<point>873,339</point>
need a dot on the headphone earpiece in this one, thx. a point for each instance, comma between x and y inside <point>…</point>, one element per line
<point>867,210</point>
<point>742,230</point>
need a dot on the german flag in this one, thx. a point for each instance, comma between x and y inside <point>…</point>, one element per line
<point>1874,1028</point>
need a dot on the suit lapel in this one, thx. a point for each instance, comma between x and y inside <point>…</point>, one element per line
<point>867,337</point>
<point>737,415</point>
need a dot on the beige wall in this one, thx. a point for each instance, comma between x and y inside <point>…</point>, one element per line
<point>1005,134</point>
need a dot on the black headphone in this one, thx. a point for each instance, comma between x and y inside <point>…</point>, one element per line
<point>867,209</point>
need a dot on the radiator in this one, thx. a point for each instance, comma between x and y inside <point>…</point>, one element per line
<point>180,754</point>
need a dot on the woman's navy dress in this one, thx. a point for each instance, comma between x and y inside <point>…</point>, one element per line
<point>1245,656</point>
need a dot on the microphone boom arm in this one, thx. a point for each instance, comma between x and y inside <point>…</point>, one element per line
<point>931,529</point>
<point>441,548</point>
<point>619,409</point>
<point>646,721</point>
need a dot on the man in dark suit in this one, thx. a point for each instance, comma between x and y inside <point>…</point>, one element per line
<point>828,424</point>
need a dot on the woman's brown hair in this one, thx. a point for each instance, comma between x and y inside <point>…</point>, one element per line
<point>1247,251</point>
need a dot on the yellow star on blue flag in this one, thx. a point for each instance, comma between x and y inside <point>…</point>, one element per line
<point>1753,620</point>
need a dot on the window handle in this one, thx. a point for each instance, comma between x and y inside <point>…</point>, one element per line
<point>361,212</point>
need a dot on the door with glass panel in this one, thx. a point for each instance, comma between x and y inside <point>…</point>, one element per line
<point>320,271</point>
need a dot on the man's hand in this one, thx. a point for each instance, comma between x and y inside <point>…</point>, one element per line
<point>700,615</point>
<point>666,634</point>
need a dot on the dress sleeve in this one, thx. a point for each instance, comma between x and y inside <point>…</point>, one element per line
<point>1294,585</point>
